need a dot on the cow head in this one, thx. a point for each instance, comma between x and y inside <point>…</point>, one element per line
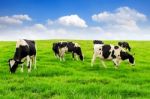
<point>79,53</point>
<point>131,59</point>
<point>13,64</point>
<point>125,55</point>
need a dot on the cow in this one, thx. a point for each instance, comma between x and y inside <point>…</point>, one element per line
<point>111,52</point>
<point>60,48</point>
<point>124,45</point>
<point>25,51</point>
<point>98,42</point>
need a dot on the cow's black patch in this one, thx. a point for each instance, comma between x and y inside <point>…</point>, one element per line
<point>55,48</point>
<point>131,59</point>
<point>98,42</point>
<point>70,46</point>
<point>113,54</point>
<point>125,55</point>
<point>62,44</point>
<point>124,45</point>
<point>78,51</point>
<point>116,47</point>
<point>21,52</point>
<point>106,50</point>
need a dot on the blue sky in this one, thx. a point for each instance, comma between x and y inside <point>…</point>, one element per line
<point>40,11</point>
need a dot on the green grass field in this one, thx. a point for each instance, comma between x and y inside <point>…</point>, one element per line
<point>75,79</point>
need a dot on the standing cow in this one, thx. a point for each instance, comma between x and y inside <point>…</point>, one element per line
<point>60,48</point>
<point>124,45</point>
<point>111,52</point>
<point>25,50</point>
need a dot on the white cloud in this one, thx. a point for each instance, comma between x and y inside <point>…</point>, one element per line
<point>122,24</point>
<point>49,22</point>
<point>13,20</point>
<point>9,20</point>
<point>122,18</point>
<point>22,17</point>
<point>38,27</point>
<point>72,20</point>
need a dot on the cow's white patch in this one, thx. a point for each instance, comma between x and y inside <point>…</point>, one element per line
<point>77,45</point>
<point>12,62</point>
<point>21,42</point>
<point>24,59</point>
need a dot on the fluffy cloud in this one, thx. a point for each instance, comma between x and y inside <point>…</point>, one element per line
<point>13,20</point>
<point>72,20</point>
<point>112,26</point>
<point>22,17</point>
<point>49,22</point>
<point>38,27</point>
<point>121,18</point>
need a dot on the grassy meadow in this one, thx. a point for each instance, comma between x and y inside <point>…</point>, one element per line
<point>76,79</point>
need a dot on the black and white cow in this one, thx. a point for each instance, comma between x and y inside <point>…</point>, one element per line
<point>25,50</point>
<point>111,52</point>
<point>60,48</point>
<point>98,42</point>
<point>124,45</point>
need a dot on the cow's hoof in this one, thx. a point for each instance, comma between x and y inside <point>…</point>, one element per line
<point>29,70</point>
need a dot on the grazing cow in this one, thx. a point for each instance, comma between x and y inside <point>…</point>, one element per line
<point>25,50</point>
<point>110,52</point>
<point>124,45</point>
<point>98,42</point>
<point>60,48</point>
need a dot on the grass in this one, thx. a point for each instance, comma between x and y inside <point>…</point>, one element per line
<point>75,79</point>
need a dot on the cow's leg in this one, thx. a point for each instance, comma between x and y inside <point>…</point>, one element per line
<point>76,56</point>
<point>34,61</point>
<point>29,63</point>
<point>116,63</point>
<point>57,56</point>
<point>73,55</point>
<point>103,63</point>
<point>21,67</point>
<point>93,59</point>
<point>61,54</point>
<point>62,57</point>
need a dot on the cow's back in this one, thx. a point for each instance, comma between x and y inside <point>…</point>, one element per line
<point>103,51</point>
